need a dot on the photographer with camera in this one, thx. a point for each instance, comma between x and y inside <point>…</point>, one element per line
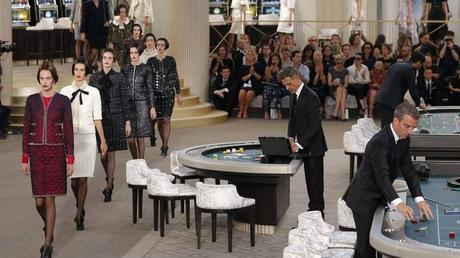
<point>448,55</point>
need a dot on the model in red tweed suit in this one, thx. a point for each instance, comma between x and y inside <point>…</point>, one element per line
<point>48,141</point>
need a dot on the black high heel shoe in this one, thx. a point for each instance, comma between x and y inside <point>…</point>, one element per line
<point>164,151</point>
<point>107,194</point>
<point>46,251</point>
<point>79,223</point>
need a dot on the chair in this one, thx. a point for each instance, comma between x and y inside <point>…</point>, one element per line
<point>137,173</point>
<point>222,199</point>
<point>161,190</point>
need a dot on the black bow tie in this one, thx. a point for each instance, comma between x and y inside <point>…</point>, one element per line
<point>74,95</point>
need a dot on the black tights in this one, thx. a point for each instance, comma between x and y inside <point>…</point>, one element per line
<point>164,127</point>
<point>136,147</point>
<point>46,207</point>
<point>80,189</point>
<point>108,162</point>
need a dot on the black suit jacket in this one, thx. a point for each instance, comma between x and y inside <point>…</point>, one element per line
<point>426,93</point>
<point>383,159</point>
<point>219,84</point>
<point>305,123</point>
<point>399,79</point>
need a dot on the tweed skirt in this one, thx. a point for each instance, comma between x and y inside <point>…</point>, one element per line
<point>85,155</point>
<point>164,103</point>
<point>141,124</point>
<point>48,170</point>
<point>114,132</point>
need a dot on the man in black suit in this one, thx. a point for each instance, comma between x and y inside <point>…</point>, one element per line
<point>306,134</point>
<point>386,154</point>
<point>223,91</point>
<point>427,88</point>
<point>400,78</point>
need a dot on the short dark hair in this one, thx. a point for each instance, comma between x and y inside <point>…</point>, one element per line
<point>47,66</point>
<point>288,71</point>
<point>165,41</point>
<point>450,33</point>
<point>423,34</point>
<point>108,50</point>
<point>226,67</point>
<point>136,25</point>
<point>295,52</point>
<point>137,46</point>
<point>417,57</point>
<point>117,11</point>
<point>149,35</point>
<point>83,61</point>
<point>406,108</point>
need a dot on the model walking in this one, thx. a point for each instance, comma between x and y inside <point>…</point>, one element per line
<point>47,148</point>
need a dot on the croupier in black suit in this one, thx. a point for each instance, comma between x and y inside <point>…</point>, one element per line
<point>223,91</point>
<point>386,154</point>
<point>306,134</point>
<point>400,78</point>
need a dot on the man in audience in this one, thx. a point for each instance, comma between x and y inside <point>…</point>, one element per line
<point>425,45</point>
<point>4,117</point>
<point>427,88</point>
<point>405,53</point>
<point>448,55</point>
<point>303,69</point>
<point>428,64</point>
<point>313,41</point>
<point>266,54</point>
<point>223,90</point>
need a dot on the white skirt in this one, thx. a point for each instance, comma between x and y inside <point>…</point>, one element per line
<point>85,149</point>
<point>283,24</point>
<point>237,23</point>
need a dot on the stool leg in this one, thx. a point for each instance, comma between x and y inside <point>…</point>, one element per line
<point>198,226</point>
<point>187,212</point>
<point>139,198</point>
<point>217,181</point>
<point>213,222</point>
<point>182,181</point>
<point>162,218</point>
<point>252,225</point>
<point>352,166</point>
<point>155,214</point>
<point>134,205</point>
<point>173,207</point>
<point>166,211</point>
<point>229,231</point>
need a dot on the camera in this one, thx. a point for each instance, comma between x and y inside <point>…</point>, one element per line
<point>6,46</point>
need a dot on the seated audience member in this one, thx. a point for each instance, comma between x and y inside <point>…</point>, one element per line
<point>273,89</point>
<point>405,53</point>
<point>223,90</point>
<point>265,55</point>
<point>346,51</point>
<point>221,60</point>
<point>399,59</point>
<point>358,82</point>
<point>328,58</point>
<point>250,77</point>
<point>290,43</point>
<point>303,69</point>
<point>454,88</point>
<point>449,54</point>
<point>313,42</point>
<point>379,42</point>
<point>285,57</point>
<point>337,79</point>
<point>4,117</point>
<point>318,83</point>
<point>427,87</point>
<point>425,45</point>
<point>386,58</point>
<point>368,55</point>
<point>336,44</point>
<point>377,77</point>
<point>355,43</point>
<point>428,64</point>
<point>238,53</point>
<point>307,56</point>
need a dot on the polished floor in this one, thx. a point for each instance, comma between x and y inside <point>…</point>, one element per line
<point>110,232</point>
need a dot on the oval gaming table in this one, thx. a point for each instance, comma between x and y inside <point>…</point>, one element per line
<point>267,183</point>
<point>392,235</point>
<point>438,133</point>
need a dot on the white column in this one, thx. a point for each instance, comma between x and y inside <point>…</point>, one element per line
<point>389,12</point>
<point>185,24</point>
<point>305,10</point>
<point>6,34</point>
<point>454,7</point>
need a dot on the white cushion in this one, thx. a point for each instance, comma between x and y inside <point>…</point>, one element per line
<point>345,215</point>
<point>343,239</point>
<point>177,168</point>
<point>338,253</point>
<point>299,252</point>
<point>309,239</point>
<point>160,185</point>
<point>222,197</point>
<point>135,172</point>
<point>314,219</point>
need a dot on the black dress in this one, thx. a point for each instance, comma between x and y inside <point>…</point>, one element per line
<point>115,113</point>
<point>140,99</point>
<point>437,14</point>
<point>92,23</point>
<point>165,84</point>
<point>256,85</point>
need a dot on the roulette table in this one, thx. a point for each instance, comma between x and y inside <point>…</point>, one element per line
<point>240,164</point>
<point>392,235</point>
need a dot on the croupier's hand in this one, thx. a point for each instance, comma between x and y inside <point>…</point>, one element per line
<point>405,210</point>
<point>424,209</point>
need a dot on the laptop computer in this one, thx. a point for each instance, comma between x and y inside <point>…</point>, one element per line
<point>276,148</point>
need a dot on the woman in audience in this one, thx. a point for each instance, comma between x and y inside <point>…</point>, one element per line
<point>358,82</point>
<point>285,57</point>
<point>119,31</point>
<point>379,42</point>
<point>318,83</point>
<point>355,43</point>
<point>141,102</point>
<point>368,55</point>
<point>222,59</point>
<point>136,37</point>
<point>112,87</point>
<point>377,77</point>
<point>307,56</point>
<point>51,159</point>
<point>149,50</point>
<point>273,89</point>
<point>289,42</point>
<point>87,120</point>
<point>386,58</point>
<point>337,79</point>
<point>265,54</point>
<point>328,58</point>
<point>346,51</point>
<point>336,44</point>
<point>166,88</point>
<point>250,76</point>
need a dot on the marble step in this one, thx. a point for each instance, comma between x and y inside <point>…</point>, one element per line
<point>189,111</point>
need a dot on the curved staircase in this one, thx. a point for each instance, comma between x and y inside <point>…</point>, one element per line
<point>192,112</point>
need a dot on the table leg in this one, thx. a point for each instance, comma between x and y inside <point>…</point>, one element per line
<point>352,166</point>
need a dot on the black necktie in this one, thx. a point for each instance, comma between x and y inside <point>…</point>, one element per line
<point>429,88</point>
<point>294,102</point>
<point>75,93</point>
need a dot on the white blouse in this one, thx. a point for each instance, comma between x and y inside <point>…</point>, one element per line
<point>85,112</point>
